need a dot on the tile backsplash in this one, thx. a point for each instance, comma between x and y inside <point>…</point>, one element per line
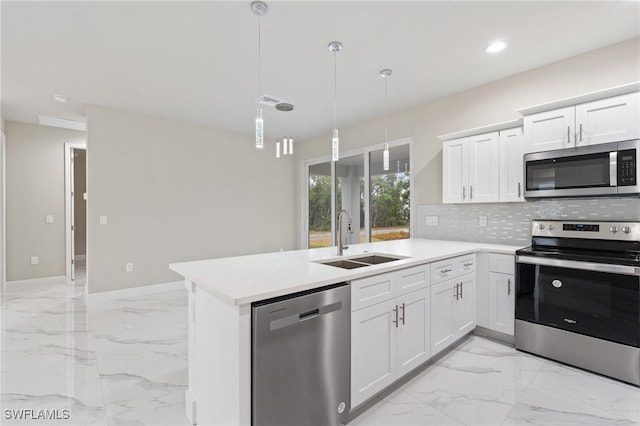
<point>510,223</point>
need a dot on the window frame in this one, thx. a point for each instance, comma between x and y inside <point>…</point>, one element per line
<point>365,152</point>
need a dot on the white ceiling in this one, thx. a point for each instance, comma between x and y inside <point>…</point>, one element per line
<point>196,61</point>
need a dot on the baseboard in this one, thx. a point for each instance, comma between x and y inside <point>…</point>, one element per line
<point>137,291</point>
<point>494,335</point>
<point>61,278</point>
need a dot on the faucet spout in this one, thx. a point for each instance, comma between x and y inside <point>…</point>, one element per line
<point>342,245</point>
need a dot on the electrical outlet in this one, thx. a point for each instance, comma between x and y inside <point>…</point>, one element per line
<point>34,260</point>
<point>482,221</point>
<point>128,267</point>
<point>49,218</point>
<point>103,220</point>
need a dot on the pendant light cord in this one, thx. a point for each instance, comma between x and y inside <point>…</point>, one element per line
<point>259,58</point>
<point>386,111</point>
<point>335,90</point>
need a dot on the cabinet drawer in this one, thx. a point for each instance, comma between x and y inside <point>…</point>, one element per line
<point>443,270</point>
<point>371,290</point>
<point>502,263</point>
<point>411,279</point>
<point>465,264</point>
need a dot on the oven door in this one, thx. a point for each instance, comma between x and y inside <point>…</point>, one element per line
<point>597,300</point>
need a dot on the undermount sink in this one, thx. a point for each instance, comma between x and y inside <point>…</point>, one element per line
<point>361,260</point>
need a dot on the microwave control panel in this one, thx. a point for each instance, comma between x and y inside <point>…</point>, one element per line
<point>627,167</point>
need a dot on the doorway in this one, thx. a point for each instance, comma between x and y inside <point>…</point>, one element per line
<point>76,211</point>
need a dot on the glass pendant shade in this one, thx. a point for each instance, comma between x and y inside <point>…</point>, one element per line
<point>290,145</point>
<point>335,146</point>
<point>385,157</point>
<point>259,129</point>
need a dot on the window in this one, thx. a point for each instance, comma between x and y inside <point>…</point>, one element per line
<point>379,201</point>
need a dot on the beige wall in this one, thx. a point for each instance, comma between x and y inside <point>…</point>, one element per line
<point>80,205</point>
<point>35,188</point>
<point>174,192</point>
<point>492,103</point>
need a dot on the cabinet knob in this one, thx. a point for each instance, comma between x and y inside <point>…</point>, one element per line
<point>626,229</point>
<point>613,229</point>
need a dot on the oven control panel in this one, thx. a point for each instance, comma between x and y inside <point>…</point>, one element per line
<point>620,231</point>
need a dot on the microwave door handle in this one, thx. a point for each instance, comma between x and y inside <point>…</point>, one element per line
<point>613,168</point>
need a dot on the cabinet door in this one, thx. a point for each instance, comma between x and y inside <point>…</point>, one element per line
<point>501,302</point>
<point>464,307</point>
<point>442,301</point>
<point>455,171</point>
<point>483,168</point>
<point>414,345</point>
<point>549,130</point>
<point>608,120</point>
<point>373,350</point>
<point>511,165</point>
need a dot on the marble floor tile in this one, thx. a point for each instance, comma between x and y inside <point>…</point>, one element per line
<point>122,360</point>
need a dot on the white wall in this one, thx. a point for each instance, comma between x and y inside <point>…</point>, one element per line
<point>34,189</point>
<point>492,103</point>
<point>174,192</point>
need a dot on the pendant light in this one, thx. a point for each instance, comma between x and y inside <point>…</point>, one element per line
<point>259,8</point>
<point>287,141</point>
<point>335,47</point>
<point>386,73</point>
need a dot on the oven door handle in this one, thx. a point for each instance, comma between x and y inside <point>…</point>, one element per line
<point>585,266</point>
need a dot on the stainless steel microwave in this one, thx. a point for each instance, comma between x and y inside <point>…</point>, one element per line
<point>586,171</point>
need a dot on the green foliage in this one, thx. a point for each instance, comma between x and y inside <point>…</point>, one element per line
<point>389,201</point>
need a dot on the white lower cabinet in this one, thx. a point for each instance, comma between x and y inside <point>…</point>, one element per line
<point>388,338</point>
<point>453,310</point>
<point>501,293</point>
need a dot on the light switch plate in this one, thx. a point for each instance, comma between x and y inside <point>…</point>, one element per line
<point>431,220</point>
<point>49,218</point>
<point>482,221</point>
<point>34,260</point>
<point>103,220</point>
<point>128,267</point>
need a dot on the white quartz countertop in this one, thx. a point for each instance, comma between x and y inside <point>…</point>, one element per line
<point>245,279</point>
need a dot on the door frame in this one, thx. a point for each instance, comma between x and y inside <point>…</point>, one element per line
<point>68,147</point>
<point>3,211</point>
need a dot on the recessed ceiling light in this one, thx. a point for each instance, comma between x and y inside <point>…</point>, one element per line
<point>496,46</point>
<point>60,98</point>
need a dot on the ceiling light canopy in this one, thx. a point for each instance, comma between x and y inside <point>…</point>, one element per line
<point>60,98</point>
<point>496,46</point>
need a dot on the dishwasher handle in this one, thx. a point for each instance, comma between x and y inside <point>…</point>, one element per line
<point>300,317</point>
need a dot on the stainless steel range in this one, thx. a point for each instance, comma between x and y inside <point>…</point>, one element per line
<point>578,296</point>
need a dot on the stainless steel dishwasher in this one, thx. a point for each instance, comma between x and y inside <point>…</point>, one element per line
<point>301,346</point>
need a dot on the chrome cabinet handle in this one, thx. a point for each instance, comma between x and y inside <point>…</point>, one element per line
<point>471,192</point>
<point>461,295</point>
<point>508,286</point>
<point>455,295</point>
<point>568,134</point>
<point>464,193</point>
<point>444,271</point>
<point>580,132</point>
<point>519,189</point>
<point>396,312</point>
<point>403,313</point>
<point>466,265</point>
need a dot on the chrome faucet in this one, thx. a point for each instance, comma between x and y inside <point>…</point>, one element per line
<point>342,246</point>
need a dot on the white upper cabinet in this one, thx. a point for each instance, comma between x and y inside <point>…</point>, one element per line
<point>611,119</point>
<point>455,157</point>
<point>549,130</point>
<point>484,167</point>
<point>511,167</point>
<point>608,120</point>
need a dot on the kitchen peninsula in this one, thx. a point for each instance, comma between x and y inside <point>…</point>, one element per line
<point>221,292</point>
